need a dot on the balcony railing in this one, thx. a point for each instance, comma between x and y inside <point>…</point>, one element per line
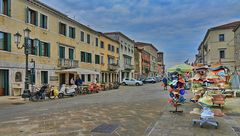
<point>128,67</point>
<point>113,66</point>
<point>68,63</point>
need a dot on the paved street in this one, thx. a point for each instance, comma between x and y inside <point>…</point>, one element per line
<point>138,111</point>
<point>133,108</point>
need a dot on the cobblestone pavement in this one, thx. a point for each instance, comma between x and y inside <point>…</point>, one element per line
<point>140,111</point>
<point>133,108</point>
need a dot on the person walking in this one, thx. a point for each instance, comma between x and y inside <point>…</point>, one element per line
<point>78,81</point>
<point>165,83</point>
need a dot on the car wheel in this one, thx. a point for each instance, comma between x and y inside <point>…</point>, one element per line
<point>137,84</point>
<point>124,83</point>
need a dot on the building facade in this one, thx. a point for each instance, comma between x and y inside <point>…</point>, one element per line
<point>109,56</point>
<point>237,47</point>
<point>67,48</point>
<point>152,50</point>
<point>218,46</point>
<point>126,54</point>
<point>161,65</point>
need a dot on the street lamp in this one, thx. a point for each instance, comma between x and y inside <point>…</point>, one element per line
<point>27,48</point>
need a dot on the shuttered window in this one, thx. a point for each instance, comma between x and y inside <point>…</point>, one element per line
<point>61,52</point>
<point>43,21</point>
<point>32,17</point>
<point>62,28</point>
<point>5,41</point>
<point>5,7</point>
<point>71,53</point>
<point>44,49</point>
<point>71,32</point>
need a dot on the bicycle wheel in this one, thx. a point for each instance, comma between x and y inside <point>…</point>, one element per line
<point>51,95</point>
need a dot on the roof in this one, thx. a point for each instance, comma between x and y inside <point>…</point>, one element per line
<point>119,33</point>
<point>54,11</point>
<point>160,52</point>
<point>145,44</point>
<point>104,35</point>
<point>231,25</point>
<point>235,29</point>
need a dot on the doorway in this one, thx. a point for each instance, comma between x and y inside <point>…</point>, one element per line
<point>4,82</point>
<point>62,79</point>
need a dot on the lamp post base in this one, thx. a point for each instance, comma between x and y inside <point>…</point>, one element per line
<point>26,93</point>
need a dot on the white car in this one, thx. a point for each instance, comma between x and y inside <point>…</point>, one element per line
<point>132,81</point>
<point>150,80</point>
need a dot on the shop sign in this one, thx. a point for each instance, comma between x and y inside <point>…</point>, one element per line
<point>53,78</point>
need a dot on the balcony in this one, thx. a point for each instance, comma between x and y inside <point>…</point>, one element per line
<point>68,63</point>
<point>113,67</point>
<point>128,67</point>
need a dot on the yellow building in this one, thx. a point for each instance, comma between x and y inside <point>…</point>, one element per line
<point>66,48</point>
<point>109,59</point>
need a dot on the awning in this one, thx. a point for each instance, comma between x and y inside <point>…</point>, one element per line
<point>78,71</point>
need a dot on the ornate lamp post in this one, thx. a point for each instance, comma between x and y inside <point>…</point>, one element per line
<point>27,48</point>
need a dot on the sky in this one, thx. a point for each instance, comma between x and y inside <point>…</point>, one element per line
<point>175,27</point>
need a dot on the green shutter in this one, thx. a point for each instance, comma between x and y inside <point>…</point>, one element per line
<point>70,32</point>
<point>59,27</point>
<point>49,49</point>
<point>45,22</point>
<point>35,49</point>
<point>41,21</point>
<point>27,10</point>
<point>9,8</point>
<point>9,42</point>
<point>74,33</point>
<point>36,19</point>
<point>40,48</point>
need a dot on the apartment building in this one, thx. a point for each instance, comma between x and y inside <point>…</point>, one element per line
<point>161,65</point>
<point>66,48</point>
<point>218,46</point>
<point>109,56</point>
<point>237,47</point>
<point>152,50</point>
<point>126,54</point>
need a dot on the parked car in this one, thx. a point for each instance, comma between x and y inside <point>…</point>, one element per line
<point>158,79</point>
<point>132,81</point>
<point>150,80</point>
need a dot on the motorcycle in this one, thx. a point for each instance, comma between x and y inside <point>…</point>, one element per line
<point>39,94</point>
<point>67,91</point>
<point>52,92</point>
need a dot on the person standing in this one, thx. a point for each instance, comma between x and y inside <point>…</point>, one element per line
<point>165,83</point>
<point>78,81</point>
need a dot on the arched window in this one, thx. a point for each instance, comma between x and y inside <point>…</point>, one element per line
<point>18,77</point>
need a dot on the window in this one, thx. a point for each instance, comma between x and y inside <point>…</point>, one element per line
<point>222,54</point>
<point>88,38</point>
<point>61,52</point>
<point>221,37</point>
<point>82,36</point>
<point>102,59</point>
<point>44,77</point>
<point>18,77</point>
<point>102,44</point>
<point>109,47</point>
<point>97,59</point>
<point>44,49</point>
<point>113,49</point>
<point>89,77</point>
<point>110,60</point>
<point>32,76</point>
<point>96,41</point>
<point>125,48</point>
<point>71,53</point>
<point>117,50</point>
<point>5,7</point>
<point>71,32</point>
<point>5,41</point>
<point>127,60</point>
<point>62,28</point>
<point>83,78</point>
<point>33,49</point>
<point>86,57</point>
<point>43,21</point>
<point>32,17</point>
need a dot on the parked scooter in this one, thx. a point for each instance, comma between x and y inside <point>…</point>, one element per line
<point>39,95</point>
<point>67,91</point>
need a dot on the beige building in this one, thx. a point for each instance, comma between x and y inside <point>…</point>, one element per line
<point>152,50</point>
<point>126,54</point>
<point>237,46</point>
<point>218,46</point>
<point>67,48</point>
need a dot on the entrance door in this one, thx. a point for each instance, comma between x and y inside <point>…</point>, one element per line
<point>4,82</point>
<point>62,79</point>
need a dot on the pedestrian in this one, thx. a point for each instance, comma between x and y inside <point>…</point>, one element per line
<point>72,81</point>
<point>165,83</point>
<point>78,81</point>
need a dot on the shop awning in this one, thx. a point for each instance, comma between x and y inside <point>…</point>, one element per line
<point>79,71</point>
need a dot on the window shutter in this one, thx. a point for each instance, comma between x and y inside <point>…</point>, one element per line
<point>70,32</point>
<point>40,48</point>
<point>35,49</point>
<point>36,19</point>
<point>9,8</point>
<point>45,22</point>
<point>41,21</point>
<point>27,15</point>
<point>73,32</point>
<point>9,42</point>
<point>49,49</point>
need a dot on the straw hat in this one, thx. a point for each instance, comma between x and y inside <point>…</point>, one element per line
<point>207,100</point>
<point>195,111</point>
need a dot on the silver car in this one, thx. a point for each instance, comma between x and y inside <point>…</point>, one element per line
<point>132,81</point>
